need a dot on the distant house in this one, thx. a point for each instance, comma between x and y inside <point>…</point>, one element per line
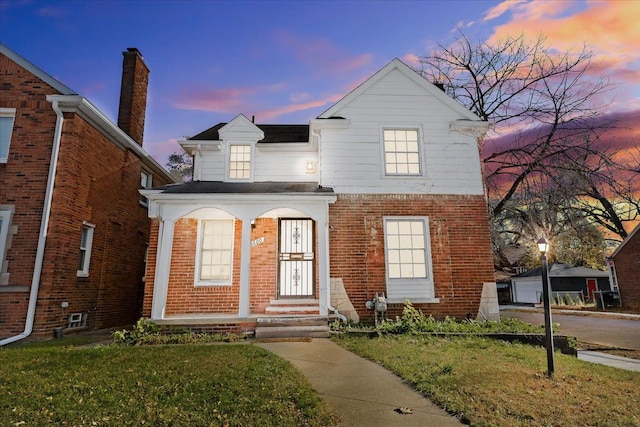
<point>564,279</point>
<point>381,194</point>
<point>624,269</point>
<point>73,226</point>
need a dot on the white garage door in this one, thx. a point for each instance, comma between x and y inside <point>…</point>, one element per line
<point>526,291</point>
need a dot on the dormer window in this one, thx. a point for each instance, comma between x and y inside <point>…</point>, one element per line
<point>239,162</point>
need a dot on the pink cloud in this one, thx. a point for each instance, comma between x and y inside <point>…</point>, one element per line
<point>160,150</point>
<point>271,114</point>
<point>224,100</point>
<point>500,9</point>
<point>320,54</point>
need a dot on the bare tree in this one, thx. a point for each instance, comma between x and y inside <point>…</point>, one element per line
<point>547,117</point>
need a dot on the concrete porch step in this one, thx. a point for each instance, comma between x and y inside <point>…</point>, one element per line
<point>293,306</point>
<point>290,327</point>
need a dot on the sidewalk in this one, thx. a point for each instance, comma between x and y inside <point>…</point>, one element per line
<point>361,392</point>
<point>609,360</point>
<point>606,314</point>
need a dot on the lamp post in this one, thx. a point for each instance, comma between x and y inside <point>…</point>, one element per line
<point>543,246</point>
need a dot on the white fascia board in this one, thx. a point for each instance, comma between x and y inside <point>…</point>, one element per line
<point>173,198</point>
<point>474,127</point>
<point>81,105</point>
<point>286,146</point>
<point>194,146</point>
<point>330,123</point>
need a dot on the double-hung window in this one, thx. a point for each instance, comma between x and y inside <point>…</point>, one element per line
<point>7,116</point>
<point>86,241</point>
<point>239,162</point>
<point>408,259</point>
<point>145,182</point>
<point>215,252</point>
<point>401,152</point>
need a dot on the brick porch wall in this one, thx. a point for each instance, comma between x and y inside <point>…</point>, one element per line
<point>460,248</point>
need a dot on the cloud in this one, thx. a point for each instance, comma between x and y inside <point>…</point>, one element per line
<point>223,100</point>
<point>271,114</point>
<point>319,54</point>
<point>609,28</point>
<point>160,150</point>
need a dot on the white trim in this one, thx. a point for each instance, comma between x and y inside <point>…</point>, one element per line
<point>419,290</point>
<point>198,281</point>
<point>5,222</point>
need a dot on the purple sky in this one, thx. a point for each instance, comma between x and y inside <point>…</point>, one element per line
<point>288,61</point>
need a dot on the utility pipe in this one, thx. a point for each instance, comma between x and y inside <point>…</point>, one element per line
<point>44,226</point>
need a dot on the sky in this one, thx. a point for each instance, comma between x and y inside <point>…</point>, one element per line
<point>288,61</point>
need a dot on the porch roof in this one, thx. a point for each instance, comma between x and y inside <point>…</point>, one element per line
<point>271,187</point>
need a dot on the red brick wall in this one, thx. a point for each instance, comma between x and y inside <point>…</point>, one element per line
<point>182,296</point>
<point>460,248</point>
<point>264,260</point>
<point>23,182</point>
<point>96,182</point>
<point>627,263</point>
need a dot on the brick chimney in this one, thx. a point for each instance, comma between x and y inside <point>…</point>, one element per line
<point>133,94</point>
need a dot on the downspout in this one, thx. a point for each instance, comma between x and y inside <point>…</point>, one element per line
<point>44,226</point>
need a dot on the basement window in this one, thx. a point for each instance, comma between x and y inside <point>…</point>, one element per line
<point>77,320</point>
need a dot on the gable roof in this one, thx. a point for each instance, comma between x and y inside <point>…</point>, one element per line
<point>411,74</point>
<point>625,241</point>
<point>272,133</point>
<point>38,72</point>
<point>559,269</point>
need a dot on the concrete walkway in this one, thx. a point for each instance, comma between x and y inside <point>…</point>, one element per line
<point>609,360</point>
<point>361,392</point>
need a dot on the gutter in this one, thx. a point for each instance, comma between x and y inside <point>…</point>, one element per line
<point>44,226</point>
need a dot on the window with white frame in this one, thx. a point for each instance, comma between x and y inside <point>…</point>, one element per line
<point>408,259</point>
<point>5,220</point>
<point>7,116</point>
<point>239,161</point>
<point>86,241</point>
<point>215,252</point>
<point>401,152</point>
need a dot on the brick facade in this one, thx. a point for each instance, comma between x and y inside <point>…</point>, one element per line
<point>461,256</point>
<point>627,263</point>
<point>460,264</point>
<point>97,182</point>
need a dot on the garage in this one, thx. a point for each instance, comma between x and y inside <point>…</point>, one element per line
<point>526,290</point>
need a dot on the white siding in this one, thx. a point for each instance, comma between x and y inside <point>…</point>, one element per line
<point>351,159</point>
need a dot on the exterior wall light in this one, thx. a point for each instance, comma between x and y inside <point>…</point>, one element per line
<point>310,166</point>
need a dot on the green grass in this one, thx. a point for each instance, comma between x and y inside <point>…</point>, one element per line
<point>492,383</point>
<point>190,385</point>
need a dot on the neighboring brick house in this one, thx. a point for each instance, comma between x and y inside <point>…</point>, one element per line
<point>624,270</point>
<point>382,193</point>
<point>73,226</point>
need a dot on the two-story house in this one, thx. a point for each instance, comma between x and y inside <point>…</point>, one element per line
<point>381,194</point>
<point>73,227</point>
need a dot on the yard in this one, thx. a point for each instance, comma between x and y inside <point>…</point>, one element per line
<point>492,383</point>
<point>191,385</point>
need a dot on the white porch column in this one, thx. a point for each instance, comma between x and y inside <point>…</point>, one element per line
<point>245,269</point>
<point>323,264</point>
<point>163,262</point>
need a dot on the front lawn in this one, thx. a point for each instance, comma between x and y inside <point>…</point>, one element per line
<point>189,385</point>
<point>493,383</point>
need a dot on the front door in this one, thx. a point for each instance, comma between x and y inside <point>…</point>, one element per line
<point>592,286</point>
<point>296,258</point>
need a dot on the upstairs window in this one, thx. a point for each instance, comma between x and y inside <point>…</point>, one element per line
<point>7,116</point>
<point>401,152</point>
<point>240,162</point>
<point>86,241</point>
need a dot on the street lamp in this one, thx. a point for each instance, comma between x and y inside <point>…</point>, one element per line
<point>543,247</point>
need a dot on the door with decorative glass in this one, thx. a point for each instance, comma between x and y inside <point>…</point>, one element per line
<point>296,258</point>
